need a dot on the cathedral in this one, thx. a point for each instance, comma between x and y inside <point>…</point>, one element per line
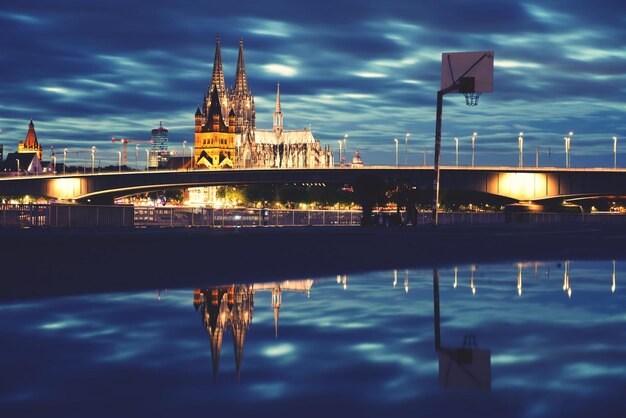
<point>226,135</point>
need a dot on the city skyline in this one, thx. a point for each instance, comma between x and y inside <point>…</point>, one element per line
<point>369,71</point>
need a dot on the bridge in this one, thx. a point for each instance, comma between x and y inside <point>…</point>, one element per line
<point>520,184</point>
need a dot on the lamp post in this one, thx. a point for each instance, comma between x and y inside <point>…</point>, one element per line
<point>406,149</point>
<point>119,162</point>
<point>537,156</point>
<point>567,148</point>
<point>17,160</point>
<point>614,152</point>
<point>136,156</point>
<point>191,157</point>
<point>147,160</point>
<point>93,159</point>
<point>473,142</point>
<point>396,141</point>
<point>54,164</point>
<point>456,141</point>
<point>184,143</point>
<point>520,143</point>
<point>345,146</point>
<point>64,159</point>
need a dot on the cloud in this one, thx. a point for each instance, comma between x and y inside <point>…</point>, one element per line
<point>123,66</point>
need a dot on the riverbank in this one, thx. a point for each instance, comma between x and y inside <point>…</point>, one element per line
<point>43,262</point>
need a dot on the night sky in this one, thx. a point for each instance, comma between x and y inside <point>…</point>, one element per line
<point>87,71</point>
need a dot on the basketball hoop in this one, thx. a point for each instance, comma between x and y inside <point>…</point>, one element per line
<point>471,99</point>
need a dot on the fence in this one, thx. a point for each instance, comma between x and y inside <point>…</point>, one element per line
<point>544,218</point>
<point>65,216</point>
<point>184,216</point>
<point>79,216</point>
<point>24,215</point>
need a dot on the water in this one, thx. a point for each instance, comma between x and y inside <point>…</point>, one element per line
<point>545,340</point>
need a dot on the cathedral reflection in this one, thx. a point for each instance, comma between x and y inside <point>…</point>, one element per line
<point>225,309</point>
<point>227,312</point>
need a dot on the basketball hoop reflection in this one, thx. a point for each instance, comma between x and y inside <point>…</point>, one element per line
<point>466,367</point>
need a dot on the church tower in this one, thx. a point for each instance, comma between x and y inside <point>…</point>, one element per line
<point>30,144</point>
<point>214,143</point>
<point>241,99</point>
<point>278,116</point>
<point>217,81</point>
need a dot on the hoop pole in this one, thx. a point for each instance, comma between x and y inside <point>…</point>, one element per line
<point>436,310</point>
<point>435,207</point>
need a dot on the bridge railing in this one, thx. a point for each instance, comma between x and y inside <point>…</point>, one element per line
<point>545,218</point>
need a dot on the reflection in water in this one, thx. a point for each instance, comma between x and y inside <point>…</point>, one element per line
<point>456,281</point>
<point>473,269</point>
<point>230,308</point>
<point>369,351</point>
<point>406,281</point>
<point>342,280</point>
<point>613,284</point>
<point>466,367</point>
<point>566,284</point>
<point>159,293</point>
<point>519,279</point>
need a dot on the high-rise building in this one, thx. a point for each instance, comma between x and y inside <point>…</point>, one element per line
<point>160,154</point>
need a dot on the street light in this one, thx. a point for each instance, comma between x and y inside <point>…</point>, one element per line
<point>184,143</point>
<point>406,149</point>
<point>345,146</point>
<point>191,157</point>
<point>473,141</point>
<point>18,166</point>
<point>64,159</point>
<point>520,142</point>
<point>614,152</point>
<point>93,158</point>
<point>119,162</point>
<point>136,156</point>
<point>567,148</point>
<point>456,140</point>
<point>54,164</point>
<point>147,160</point>
<point>396,141</point>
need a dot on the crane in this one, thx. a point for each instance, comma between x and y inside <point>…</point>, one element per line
<point>125,142</point>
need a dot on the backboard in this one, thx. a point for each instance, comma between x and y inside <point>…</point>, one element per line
<point>465,368</point>
<point>462,67</point>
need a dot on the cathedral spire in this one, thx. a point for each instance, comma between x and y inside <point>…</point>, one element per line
<point>278,116</point>
<point>241,82</point>
<point>218,72</point>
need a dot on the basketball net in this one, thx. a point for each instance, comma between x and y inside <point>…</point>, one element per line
<point>471,99</point>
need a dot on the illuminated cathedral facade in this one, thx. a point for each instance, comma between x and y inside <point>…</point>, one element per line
<point>226,135</point>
